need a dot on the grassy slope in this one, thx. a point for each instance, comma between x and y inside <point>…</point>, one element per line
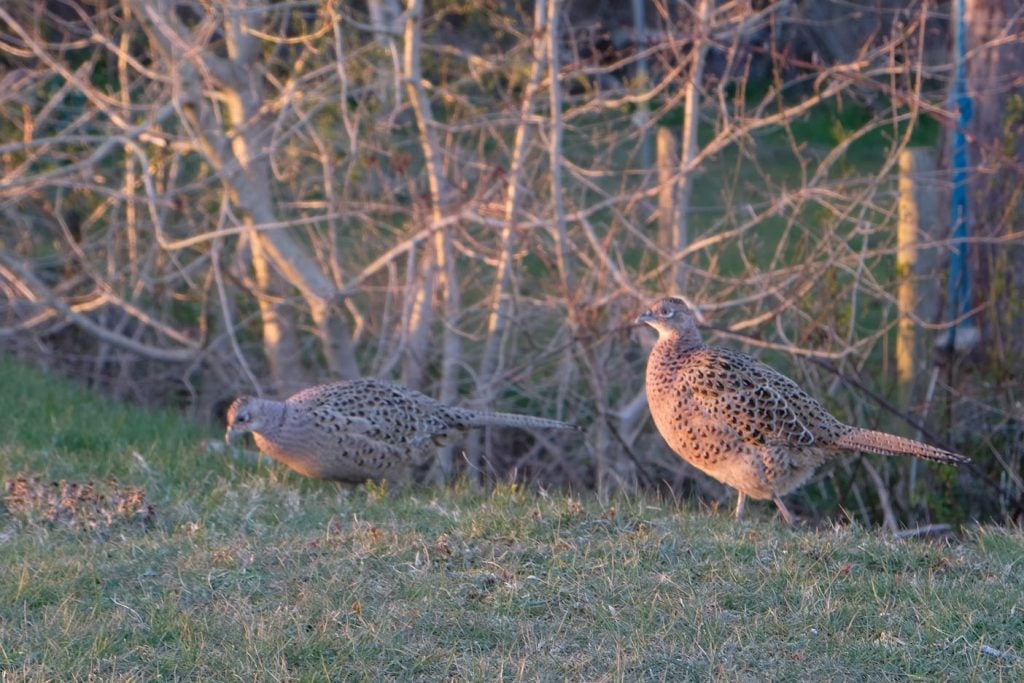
<point>249,570</point>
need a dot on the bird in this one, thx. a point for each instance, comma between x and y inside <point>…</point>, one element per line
<point>741,421</point>
<point>363,429</point>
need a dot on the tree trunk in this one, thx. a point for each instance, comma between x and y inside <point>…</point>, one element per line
<point>441,273</point>
<point>502,295</point>
<point>691,124</point>
<point>280,342</point>
<point>996,138</point>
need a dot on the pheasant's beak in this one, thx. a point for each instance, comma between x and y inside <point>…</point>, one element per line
<point>644,318</point>
<point>229,434</point>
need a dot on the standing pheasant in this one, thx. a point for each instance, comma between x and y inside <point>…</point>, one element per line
<point>360,429</point>
<point>742,422</point>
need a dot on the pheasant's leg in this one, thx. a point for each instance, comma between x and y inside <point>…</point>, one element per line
<point>786,514</point>
<point>741,503</point>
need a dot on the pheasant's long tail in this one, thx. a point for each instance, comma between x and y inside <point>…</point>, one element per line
<point>870,441</point>
<point>486,418</point>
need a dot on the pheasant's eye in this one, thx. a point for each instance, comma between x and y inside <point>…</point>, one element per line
<point>667,313</point>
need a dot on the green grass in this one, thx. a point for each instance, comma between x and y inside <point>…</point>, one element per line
<point>245,570</point>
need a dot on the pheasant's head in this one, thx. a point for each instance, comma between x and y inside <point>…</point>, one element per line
<point>671,317</point>
<point>245,415</point>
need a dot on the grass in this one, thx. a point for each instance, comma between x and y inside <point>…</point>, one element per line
<point>245,570</point>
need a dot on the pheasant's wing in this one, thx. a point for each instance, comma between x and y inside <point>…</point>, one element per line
<point>340,421</point>
<point>761,404</point>
<point>333,406</point>
<point>405,415</point>
<point>388,412</point>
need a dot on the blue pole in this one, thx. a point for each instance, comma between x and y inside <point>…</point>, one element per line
<point>959,277</point>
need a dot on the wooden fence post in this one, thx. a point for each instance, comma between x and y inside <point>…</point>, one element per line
<point>915,264</point>
<point>667,152</point>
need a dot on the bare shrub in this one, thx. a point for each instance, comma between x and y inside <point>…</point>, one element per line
<point>203,199</point>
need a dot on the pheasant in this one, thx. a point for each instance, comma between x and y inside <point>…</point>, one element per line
<point>362,429</point>
<point>744,423</point>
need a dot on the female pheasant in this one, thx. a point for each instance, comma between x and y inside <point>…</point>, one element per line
<point>360,429</point>
<point>742,422</point>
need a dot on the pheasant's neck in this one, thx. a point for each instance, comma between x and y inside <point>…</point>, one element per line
<point>681,341</point>
<point>275,414</point>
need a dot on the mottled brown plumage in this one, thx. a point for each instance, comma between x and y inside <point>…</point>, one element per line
<point>360,429</point>
<point>742,422</point>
